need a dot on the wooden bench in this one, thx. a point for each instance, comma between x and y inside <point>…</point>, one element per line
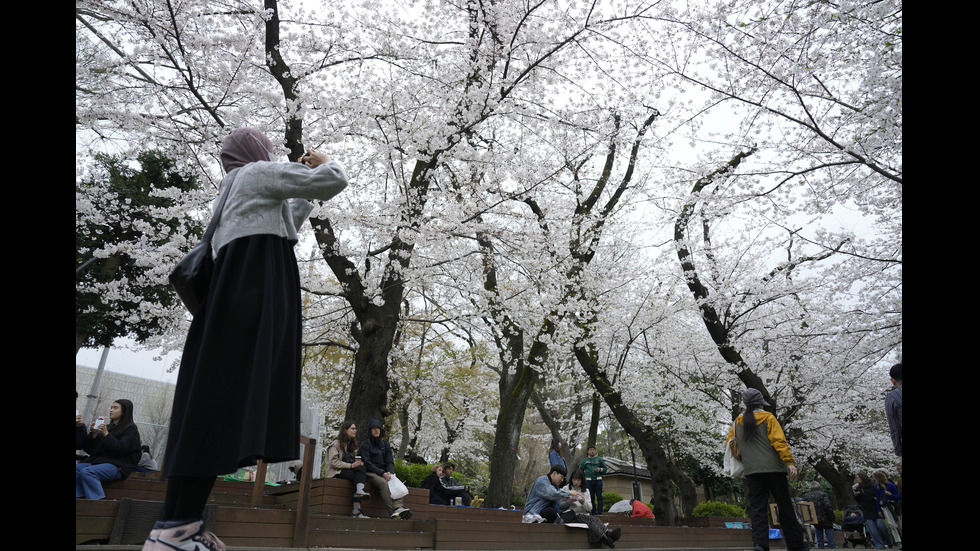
<point>133,505</point>
<point>332,496</point>
<point>316,513</point>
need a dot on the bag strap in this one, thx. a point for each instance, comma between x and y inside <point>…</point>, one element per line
<point>230,178</point>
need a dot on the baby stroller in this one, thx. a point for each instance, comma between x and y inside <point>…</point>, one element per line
<point>853,528</point>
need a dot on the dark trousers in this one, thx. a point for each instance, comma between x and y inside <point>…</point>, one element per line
<point>760,485</point>
<point>355,476</point>
<point>595,492</point>
<point>186,497</point>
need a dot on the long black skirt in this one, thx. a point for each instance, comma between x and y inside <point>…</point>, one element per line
<point>238,389</point>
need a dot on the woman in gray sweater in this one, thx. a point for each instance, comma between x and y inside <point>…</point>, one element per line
<point>238,390</point>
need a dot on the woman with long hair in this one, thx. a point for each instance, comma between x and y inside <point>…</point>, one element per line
<point>343,462</point>
<point>889,501</point>
<point>114,452</point>
<point>237,397</point>
<point>767,460</point>
<point>874,521</point>
<point>582,510</point>
<point>554,454</point>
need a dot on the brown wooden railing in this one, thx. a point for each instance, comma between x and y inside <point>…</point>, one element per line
<point>303,504</point>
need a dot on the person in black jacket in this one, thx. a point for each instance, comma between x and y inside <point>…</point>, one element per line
<point>380,464</point>
<point>80,432</point>
<point>874,520</point>
<point>114,452</point>
<point>439,492</point>
<point>825,515</point>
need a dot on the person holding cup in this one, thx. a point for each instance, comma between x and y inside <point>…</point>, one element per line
<point>343,462</point>
<point>114,451</point>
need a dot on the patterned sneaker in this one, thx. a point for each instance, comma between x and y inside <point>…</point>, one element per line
<point>361,495</point>
<point>183,536</point>
<point>151,541</point>
<point>402,513</point>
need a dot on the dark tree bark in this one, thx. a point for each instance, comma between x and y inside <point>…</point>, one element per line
<point>840,481</point>
<point>518,377</point>
<point>649,442</point>
<point>688,490</point>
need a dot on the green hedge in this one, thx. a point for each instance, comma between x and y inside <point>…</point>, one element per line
<point>411,474</point>
<point>718,509</point>
<point>609,499</point>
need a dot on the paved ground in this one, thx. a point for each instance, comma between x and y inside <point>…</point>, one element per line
<point>235,548</point>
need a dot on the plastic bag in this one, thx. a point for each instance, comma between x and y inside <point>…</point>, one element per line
<point>731,466</point>
<point>397,488</point>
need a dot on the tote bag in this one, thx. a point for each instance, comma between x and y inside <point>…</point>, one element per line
<point>732,465</point>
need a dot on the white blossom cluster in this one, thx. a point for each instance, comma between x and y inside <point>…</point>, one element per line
<point>475,136</point>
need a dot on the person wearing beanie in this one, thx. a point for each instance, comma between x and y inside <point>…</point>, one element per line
<point>824,527</point>
<point>767,461</point>
<point>380,464</point>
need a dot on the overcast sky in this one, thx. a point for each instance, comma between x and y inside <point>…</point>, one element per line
<point>139,364</point>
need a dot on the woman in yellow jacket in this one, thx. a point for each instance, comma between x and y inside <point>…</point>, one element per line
<point>767,460</point>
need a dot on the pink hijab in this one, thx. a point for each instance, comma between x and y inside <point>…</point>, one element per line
<point>243,146</point>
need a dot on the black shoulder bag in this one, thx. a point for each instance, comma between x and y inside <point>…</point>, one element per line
<point>191,277</point>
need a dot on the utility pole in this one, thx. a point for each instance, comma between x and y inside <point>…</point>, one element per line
<point>94,393</point>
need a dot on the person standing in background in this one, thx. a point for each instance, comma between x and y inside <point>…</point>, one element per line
<point>767,461</point>
<point>825,516</point>
<point>594,466</point>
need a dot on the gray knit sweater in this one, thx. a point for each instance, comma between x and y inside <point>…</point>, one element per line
<point>270,198</point>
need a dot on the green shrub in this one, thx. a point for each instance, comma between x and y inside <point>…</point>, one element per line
<point>411,473</point>
<point>718,509</point>
<point>609,499</point>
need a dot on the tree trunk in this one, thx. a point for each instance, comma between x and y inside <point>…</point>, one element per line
<point>840,481</point>
<point>648,441</point>
<point>689,492</point>
<point>368,397</point>
<point>376,326</point>
<point>594,421</point>
<point>510,419</point>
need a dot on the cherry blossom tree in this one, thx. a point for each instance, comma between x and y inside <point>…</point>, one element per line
<point>507,177</point>
<point>128,217</point>
<point>816,89</point>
